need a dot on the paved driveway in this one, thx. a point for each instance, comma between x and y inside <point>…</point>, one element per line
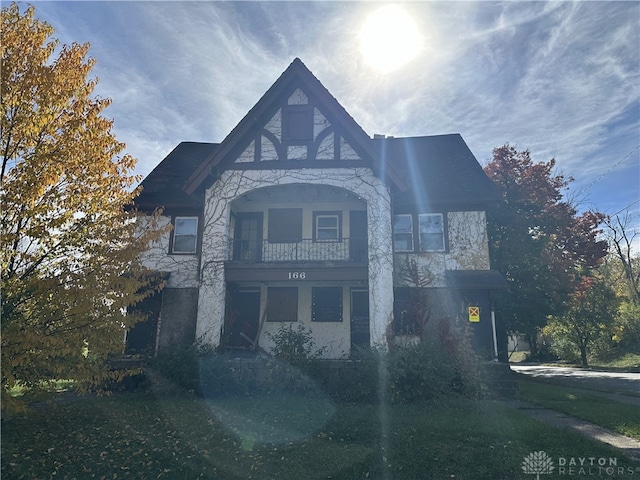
<point>625,383</point>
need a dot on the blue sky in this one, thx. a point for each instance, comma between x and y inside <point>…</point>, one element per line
<point>561,79</point>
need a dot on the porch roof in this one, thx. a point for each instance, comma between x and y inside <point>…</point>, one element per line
<point>476,280</point>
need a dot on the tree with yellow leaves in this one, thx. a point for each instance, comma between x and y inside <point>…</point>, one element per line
<point>68,247</point>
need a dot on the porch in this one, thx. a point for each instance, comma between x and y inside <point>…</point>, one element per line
<point>299,250</point>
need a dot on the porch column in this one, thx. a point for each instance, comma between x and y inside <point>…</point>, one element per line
<point>211,300</point>
<point>380,266</point>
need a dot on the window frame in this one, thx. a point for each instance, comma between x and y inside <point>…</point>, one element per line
<point>338,228</point>
<point>442,234</point>
<point>274,301</point>
<point>174,234</point>
<point>289,111</point>
<point>410,234</point>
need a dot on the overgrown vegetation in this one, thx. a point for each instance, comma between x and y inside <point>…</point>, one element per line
<point>296,347</point>
<point>406,374</point>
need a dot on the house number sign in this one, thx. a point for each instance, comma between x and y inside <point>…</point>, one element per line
<point>297,275</point>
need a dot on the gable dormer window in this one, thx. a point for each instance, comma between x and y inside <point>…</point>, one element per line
<point>297,124</point>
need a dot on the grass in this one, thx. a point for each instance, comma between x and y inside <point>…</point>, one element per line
<point>152,435</point>
<point>614,361</point>
<point>628,361</point>
<point>52,386</point>
<point>619,417</point>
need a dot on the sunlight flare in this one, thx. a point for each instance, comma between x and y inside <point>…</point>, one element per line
<point>389,39</point>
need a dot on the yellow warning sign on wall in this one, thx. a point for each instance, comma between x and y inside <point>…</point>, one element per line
<point>474,314</point>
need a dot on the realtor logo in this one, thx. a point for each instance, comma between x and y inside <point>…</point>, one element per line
<point>537,463</point>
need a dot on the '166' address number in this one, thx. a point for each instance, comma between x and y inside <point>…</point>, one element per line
<point>297,275</point>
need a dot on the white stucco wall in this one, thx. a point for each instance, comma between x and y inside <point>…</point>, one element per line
<point>183,269</point>
<point>468,248</point>
<point>335,336</point>
<point>216,232</point>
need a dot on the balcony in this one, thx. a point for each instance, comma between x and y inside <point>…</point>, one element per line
<point>301,250</point>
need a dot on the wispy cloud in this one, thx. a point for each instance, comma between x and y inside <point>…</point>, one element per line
<point>559,78</point>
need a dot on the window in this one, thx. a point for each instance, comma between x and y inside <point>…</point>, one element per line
<point>282,304</point>
<point>326,304</point>
<point>285,225</point>
<point>185,231</point>
<point>297,123</point>
<point>403,233</point>
<point>326,226</point>
<point>431,232</point>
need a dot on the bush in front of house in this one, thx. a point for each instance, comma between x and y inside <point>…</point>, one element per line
<point>419,372</point>
<point>356,380</point>
<point>294,346</point>
<point>406,374</point>
<point>353,381</point>
<point>410,373</point>
<point>178,365</point>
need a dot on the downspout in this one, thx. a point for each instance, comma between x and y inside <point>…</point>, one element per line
<point>493,330</point>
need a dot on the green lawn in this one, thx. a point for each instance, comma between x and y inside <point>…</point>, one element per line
<point>151,436</point>
<point>615,361</point>
<point>579,403</point>
<point>628,361</point>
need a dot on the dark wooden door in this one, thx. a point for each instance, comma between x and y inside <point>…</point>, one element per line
<point>247,238</point>
<point>359,318</point>
<point>358,235</point>
<point>244,318</point>
<point>141,338</point>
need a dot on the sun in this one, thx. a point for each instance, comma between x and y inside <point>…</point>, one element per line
<point>389,39</point>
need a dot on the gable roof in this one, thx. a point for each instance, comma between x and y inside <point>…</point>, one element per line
<point>163,187</point>
<point>296,74</point>
<point>442,170</point>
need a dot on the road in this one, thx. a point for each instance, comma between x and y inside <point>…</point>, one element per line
<point>618,382</point>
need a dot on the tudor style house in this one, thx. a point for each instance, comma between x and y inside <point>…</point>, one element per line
<point>300,216</point>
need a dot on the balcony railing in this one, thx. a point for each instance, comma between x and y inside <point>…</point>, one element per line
<point>305,250</point>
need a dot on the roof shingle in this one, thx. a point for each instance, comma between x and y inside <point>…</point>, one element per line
<point>163,187</point>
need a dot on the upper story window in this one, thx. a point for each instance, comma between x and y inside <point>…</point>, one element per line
<point>403,233</point>
<point>285,225</point>
<point>185,235</point>
<point>326,226</point>
<point>297,123</point>
<point>432,232</point>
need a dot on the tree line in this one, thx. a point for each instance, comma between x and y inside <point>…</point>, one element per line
<point>573,276</point>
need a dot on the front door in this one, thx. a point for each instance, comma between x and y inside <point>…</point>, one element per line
<point>244,317</point>
<point>247,244</point>
<point>359,318</point>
